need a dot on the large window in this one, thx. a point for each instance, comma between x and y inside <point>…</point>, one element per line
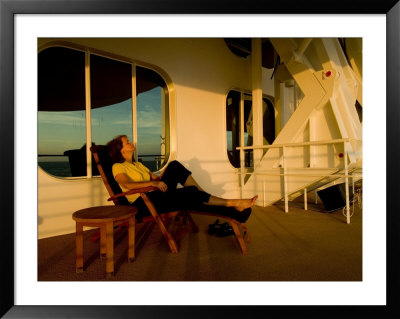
<point>238,105</point>
<point>67,98</point>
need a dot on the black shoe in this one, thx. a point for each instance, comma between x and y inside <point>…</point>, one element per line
<point>221,230</point>
<point>211,227</point>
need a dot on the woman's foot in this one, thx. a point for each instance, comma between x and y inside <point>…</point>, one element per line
<point>238,204</point>
<point>245,203</point>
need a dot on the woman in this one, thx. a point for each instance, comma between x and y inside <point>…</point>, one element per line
<point>130,175</point>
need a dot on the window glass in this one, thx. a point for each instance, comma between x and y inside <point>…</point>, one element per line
<point>152,118</point>
<point>233,127</point>
<point>111,99</point>
<point>248,129</point>
<point>268,121</point>
<point>61,109</point>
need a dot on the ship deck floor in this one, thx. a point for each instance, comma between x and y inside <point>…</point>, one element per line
<point>295,246</point>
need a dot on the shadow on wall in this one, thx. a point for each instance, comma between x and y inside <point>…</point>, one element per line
<point>203,178</point>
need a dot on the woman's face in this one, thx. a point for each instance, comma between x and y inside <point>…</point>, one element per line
<point>127,147</point>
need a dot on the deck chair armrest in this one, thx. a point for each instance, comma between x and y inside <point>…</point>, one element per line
<point>134,191</point>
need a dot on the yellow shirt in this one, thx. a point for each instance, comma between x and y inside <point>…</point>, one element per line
<point>136,172</point>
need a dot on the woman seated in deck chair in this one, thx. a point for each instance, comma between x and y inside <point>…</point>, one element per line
<point>130,175</point>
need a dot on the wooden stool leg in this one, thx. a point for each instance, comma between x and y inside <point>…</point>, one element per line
<point>131,239</point>
<point>103,244</point>
<point>110,248</point>
<point>79,247</point>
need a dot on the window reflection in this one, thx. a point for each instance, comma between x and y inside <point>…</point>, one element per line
<point>61,105</point>
<point>152,118</point>
<point>111,99</point>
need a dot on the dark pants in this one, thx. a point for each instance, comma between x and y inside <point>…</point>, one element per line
<point>174,198</point>
<point>189,198</point>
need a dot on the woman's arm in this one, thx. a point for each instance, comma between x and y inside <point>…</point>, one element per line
<point>154,177</point>
<point>127,183</point>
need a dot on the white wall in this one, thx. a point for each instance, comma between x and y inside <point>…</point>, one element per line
<point>58,198</point>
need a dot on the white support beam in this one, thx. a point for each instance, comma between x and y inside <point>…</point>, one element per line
<point>256,83</point>
<point>285,182</point>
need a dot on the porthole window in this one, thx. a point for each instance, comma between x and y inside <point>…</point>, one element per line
<point>238,128</point>
<point>65,102</point>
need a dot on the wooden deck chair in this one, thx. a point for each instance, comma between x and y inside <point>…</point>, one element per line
<point>104,165</point>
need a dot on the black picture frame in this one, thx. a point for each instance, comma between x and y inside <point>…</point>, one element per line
<point>8,10</point>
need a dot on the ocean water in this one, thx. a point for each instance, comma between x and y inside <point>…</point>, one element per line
<point>62,169</point>
<point>151,165</point>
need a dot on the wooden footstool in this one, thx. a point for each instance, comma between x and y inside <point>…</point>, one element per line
<point>105,217</point>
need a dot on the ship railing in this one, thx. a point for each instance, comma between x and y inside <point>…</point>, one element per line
<point>348,173</point>
<point>158,161</point>
<point>157,158</point>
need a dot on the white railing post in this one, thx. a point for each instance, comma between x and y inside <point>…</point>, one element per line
<point>305,198</point>
<point>285,180</point>
<point>346,171</point>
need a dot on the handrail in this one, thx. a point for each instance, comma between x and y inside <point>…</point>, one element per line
<point>145,155</point>
<point>299,144</point>
<point>306,175</point>
<point>285,173</point>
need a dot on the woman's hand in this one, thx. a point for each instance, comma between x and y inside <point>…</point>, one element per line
<point>160,185</point>
<point>124,181</point>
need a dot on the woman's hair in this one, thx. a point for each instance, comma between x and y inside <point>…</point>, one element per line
<point>114,149</point>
